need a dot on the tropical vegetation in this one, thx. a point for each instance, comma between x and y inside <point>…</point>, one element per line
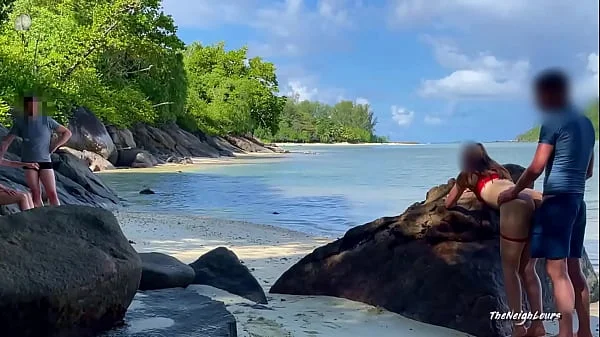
<point>123,60</point>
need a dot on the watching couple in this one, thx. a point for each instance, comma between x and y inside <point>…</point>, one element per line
<point>36,130</point>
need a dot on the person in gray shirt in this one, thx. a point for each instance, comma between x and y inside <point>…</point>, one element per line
<point>36,131</point>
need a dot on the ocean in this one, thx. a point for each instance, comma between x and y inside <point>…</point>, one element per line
<point>322,190</point>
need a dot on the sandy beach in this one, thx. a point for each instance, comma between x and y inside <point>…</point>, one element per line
<point>268,251</point>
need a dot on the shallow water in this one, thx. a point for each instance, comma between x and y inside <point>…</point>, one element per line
<point>322,190</point>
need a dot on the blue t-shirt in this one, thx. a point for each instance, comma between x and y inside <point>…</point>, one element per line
<point>572,135</point>
<point>37,135</point>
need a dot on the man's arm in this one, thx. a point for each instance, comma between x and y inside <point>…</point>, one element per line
<point>6,141</point>
<point>64,135</point>
<point>590,170</point>
<point>17,164</point>
<point>548,134</point>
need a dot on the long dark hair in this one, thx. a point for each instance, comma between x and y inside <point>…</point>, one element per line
<point>476,162</point>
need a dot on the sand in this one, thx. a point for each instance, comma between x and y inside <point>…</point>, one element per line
<point>268,252</point>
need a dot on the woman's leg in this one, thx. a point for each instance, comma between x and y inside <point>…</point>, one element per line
<point>19,198</point>
<point>49,181</point>
<point>515,218</point>
<point>533,289</point>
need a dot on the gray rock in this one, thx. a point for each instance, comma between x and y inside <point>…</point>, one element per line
<point>67,271</point>
<point>411,263</point>
<point>175,313</point>
<point>136,158</point>
<point>123,138</point>
<point>147,191</point>
<point>221,268</point>
<point>90,134</point>
<point>95,162</point>
<point>161,271</point>
<point>248,144</point>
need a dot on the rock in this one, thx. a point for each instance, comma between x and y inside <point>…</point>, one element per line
<point>222,269</point>
<point>67,271</point>
<point>429,264</point>
<point>136,158</point>
<point>160,271</point>
<point>95,162</point>
<point>175,313</point>
<point>147,191</point>
<point>122,138</point>
<point>248,144</point>
<point>90,134</point>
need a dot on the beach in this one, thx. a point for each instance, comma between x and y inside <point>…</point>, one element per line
<point>268,251</point>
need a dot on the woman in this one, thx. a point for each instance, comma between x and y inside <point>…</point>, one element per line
<point>9,196</point>
<point>36,131</point>
<point>487,179</point>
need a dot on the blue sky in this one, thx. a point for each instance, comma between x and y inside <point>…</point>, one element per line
<point>431,70</point>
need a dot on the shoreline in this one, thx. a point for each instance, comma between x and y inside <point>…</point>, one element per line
<point>268,251</point>
<point>282,145</point>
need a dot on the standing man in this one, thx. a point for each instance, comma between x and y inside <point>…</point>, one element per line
<point>565,151</point>
<point>36,130</point>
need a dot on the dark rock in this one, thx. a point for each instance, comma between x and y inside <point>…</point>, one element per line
<point>175,313</point>
<point>122,138</point>
<point>248,144</point>
<point>90,134</point>
<point>222,269</point>
<point>147,191</point>
<point>160,271</point>
<point>136,158</point>
<point>430,264</point>
<point>67,271</point>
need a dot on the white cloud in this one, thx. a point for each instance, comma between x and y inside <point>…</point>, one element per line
<point>479,76</point>
<point>361,101</point>
<point>432,120</point>
<point>586,86</point>
<point>402,116</point>
<point>302,92</point>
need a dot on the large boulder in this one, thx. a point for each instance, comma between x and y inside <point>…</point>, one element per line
<point>90,134</point>
<point>175,313</point>
<point>430,264</point>
<point>66,271</point>
<point>95,162</point>
<point>221,268</point>
<point>160,271</point>
<point>123,138</point>
<point>136,158</point>
<point>248,144</point>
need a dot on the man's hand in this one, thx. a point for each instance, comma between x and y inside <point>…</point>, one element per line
<point>508,195</point>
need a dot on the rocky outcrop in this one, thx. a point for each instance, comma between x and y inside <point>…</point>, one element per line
<point>248,144</point>
<point>222,269</point>
<point>89,134</point>
<point>136,158</point>
<point>430,264</point>
<point>123,138</point>
<point>175,313</point>
<point>67,271</point>
<point>160,271</point>
<point>95,162</point>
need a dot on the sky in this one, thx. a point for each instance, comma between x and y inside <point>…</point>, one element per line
<point>431,70</point>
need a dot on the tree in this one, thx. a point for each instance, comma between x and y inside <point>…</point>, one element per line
<point>229,93</point>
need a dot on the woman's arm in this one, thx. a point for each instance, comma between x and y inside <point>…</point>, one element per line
<point>10,163</point>
<point>455,193</point>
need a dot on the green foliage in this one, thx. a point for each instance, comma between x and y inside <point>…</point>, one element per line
<point>533,134</point>
<point>229,93</point>
<point>306,122</point>
<point>119,58</point>
<point>5,8</point>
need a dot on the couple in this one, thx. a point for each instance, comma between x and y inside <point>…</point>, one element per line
<point>36,130</point>
<point>556,233</point>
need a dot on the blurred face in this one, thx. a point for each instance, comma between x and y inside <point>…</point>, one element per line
<point>467,158</point>
<point>548,100</point>
<point>32,107</point>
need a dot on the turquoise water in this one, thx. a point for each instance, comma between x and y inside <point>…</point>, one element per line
<point>325,192</point>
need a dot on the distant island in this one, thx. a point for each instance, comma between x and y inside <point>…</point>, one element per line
<point>533,134</point>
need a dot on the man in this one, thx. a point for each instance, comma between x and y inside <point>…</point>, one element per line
<point>36,131</point>
<point>565,151</point>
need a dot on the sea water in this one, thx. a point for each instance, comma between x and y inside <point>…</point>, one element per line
<point>323,190</point>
